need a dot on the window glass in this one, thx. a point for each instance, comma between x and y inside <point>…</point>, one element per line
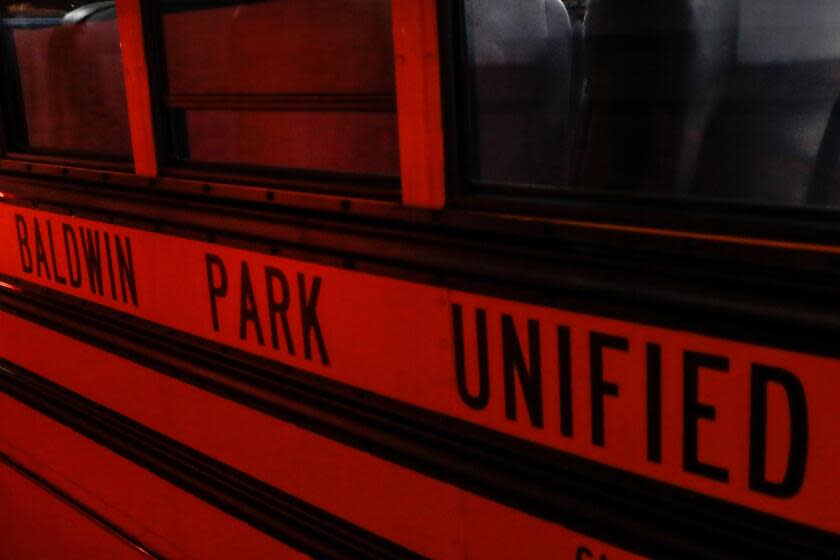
<point>63,79</point>
<point>294,84</point>
<point>732,99</point>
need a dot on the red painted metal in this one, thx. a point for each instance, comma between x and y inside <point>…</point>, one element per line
<point>35,523</point>
<point>138,96</point>
<point>165,518</point>
<point>433,518</point>
<point>409,354</point>
<point>419,102</point>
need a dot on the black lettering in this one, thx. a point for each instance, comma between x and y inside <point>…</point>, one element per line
<point>217,287</point>
<point>309,318</point>
<point>791,483</point>
<point>93,259</point>
<point>58,277</point>
<point>583,553</point>
<point>23,243</point>
<point>125,265</point>
<point>654,403</point>
<point>278,308</point>
<point>75,272</point>
<point>530,379</point>
<point>694,411</point>
<point>40,252</point>
<point>599,388</point>
<point>564,364</point>
<point>479,401</point>
<point>110,261</point>
<point>248,307</point>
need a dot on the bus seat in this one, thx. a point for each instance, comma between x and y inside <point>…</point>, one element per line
<point>95,11</point>
<point>653,72</point>
<point>770,139</point>
<point>824,189</point>
<point>522,61</point>
<point>577,109</point>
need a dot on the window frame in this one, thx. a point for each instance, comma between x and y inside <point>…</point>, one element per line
<point>751,223</point>
<point>418,108</point>
<point>430,181</point>
<point>393,189</point>
<point>35,157</point>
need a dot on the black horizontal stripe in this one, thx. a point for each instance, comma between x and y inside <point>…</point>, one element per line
<point>716,293</point>
<point>630,511</point>
<point>280,515</point>
<point>294,102</point>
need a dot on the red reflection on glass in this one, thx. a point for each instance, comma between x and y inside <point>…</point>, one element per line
<point>66,79</point>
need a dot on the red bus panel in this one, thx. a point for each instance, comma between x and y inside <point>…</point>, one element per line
<point>34,523</point>
<point>747,424</point>
<point>430,517</point>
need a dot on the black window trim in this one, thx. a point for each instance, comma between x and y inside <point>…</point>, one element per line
<point>738,219</point>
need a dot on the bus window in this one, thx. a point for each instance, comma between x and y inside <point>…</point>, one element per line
<point>291,84</point>
<point>63,80</point>
<point>734,100</point>
<point>520,62</point>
